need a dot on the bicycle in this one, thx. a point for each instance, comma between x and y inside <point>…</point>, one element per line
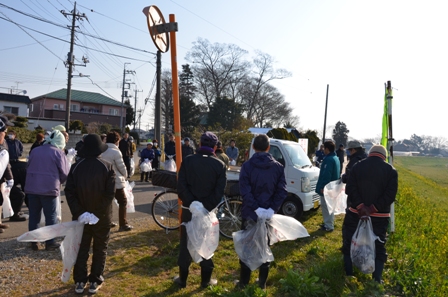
<point>165,212</point>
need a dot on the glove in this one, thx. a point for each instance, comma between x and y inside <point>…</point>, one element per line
<point>146,160</point>
<point>269,213</point>
<point>84,218</point>
<point>263,213</point>
<point>364,211</point>
<point>10,183</point>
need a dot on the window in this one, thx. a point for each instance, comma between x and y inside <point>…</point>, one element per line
<point>74,107</point>
<point>10,109</point>
<point>113,111</point>
<point>55,106</point>
<point>277,154</point>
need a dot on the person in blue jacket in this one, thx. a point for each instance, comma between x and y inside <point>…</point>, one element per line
<point>329,171</point>
<point>262,185</point>
<point>147,153</point>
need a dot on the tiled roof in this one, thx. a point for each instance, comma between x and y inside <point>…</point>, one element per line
<point>15,98</point>
<point>81,96</point>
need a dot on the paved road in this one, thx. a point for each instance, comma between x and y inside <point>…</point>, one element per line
<point>143,195</point>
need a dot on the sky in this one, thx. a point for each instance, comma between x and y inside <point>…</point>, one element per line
<point>354,47</point>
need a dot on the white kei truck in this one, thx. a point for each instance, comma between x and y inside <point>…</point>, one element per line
<point>301,177</point>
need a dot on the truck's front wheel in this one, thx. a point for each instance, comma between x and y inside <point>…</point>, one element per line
<point>292,207</point>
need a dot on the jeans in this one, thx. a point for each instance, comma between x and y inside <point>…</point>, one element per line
<point>328,218</point>
<point>36,204</point>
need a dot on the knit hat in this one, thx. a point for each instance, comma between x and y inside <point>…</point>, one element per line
<point>60,128</point>
<point>209,139</point>
<point>353,144</point>
<point>186,139</point>
<point>56,138</point>
<point>93,146</point>
<point>378,151</point>
<point>149,143</point>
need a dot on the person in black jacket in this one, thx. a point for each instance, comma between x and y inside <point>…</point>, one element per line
<point>357,153</point>
<point>90,189</point>
<point>170,147</point>
<point>125,147</point>
<point>202,177</point>
<point>187,149</point>
<point>371,189</point>
<point>341,155</point>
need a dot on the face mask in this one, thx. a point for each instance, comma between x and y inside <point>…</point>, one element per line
<point>155,144</point>
<point>11,136</point>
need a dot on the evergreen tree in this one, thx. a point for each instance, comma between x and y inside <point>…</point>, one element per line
<point>340,134</point>
<point>129,112</point>
<point>189,111</point>
<point>226,113</point>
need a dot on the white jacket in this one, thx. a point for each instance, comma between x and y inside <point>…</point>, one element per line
<point>113,155</point>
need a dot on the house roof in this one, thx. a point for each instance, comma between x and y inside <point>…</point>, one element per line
<point>81,96</point>
<point>15,98</point>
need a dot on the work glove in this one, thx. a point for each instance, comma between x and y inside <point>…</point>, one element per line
<point>146,160</point>
<point>10,183</point>
<point>264,213</point>
<point>88,218</point>
<point>269,213</point>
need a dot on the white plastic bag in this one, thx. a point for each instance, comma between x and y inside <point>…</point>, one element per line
<point>130,207</point>
<point>7,208</point>
<point>281,228</point>
<point>335,197</point>
<point>69,247</point>
<point>170,165</point>
<point>251,245</point>
<point>145,166</point>
<point>203,232</point>
<point>232,163</point>
<point>362,249</point>
<point>71,155</point>
<point>132,167</point>
<point>58,212</point>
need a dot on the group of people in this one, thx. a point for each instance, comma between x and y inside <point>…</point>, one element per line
<point>371,187</point>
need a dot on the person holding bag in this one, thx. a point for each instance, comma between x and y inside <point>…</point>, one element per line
<point>146,156</point>
<point>263,188</point>
<point>371,189</point>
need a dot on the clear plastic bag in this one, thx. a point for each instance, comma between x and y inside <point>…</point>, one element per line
<point>170,165</point>
<point>362,249</point>
<point>251,245</point>
<point>130,207</point>
<point>132,167</point>
<point>58,212</point>
<point>7,208</point>
<point>145,167</point>
<point>203,232</point>
<point>69,247</point>
<point>281,228</point>
<point>335,197</point>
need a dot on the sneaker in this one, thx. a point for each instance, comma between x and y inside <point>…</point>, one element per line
<point>4,226</point>
<point>94,287</point>
<point>17,218</point>
<point>79,288</point>
<point>323,228</point>
<point>34,246</point>
<point>125,228</point>
<point>113,225</point>
<point>1,231</point>
<point>212,282</point>
<point>179,282</point>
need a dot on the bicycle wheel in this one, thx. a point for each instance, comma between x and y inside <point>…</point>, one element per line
<point>229,216</point>
<point>165,211</point>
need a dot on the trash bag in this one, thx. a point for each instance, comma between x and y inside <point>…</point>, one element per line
<point>170,165</point>
<point>7,208</point>
<point>69,247</point>
<point>145,166</point>
<point>132,167</point>
<point>251,245</point>
<point>281,228</point>
<point>71,153</point>
<point>362,249</point>
<point>232,163</point>
<point>335,197</point>
<point>202,231</point>
<point>130,207</point>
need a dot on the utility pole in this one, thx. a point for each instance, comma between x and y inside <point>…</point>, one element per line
<point>123,122</point>
<point>135,106</point>
<point>71,61</point>
<point>158,110</point>
<point>325,118</point>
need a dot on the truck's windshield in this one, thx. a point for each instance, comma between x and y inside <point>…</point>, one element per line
<point>297,155</point>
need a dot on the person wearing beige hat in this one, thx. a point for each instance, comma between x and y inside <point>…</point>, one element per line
<point>357,153</point>
<point>371,189</point>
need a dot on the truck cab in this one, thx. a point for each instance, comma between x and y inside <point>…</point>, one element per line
<point>301,177</point>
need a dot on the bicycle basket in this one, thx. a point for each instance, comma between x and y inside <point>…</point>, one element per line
<point>164,178</point>
<point>232,188</point>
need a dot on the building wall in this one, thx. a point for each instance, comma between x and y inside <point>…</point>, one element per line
<point>84,117</point>
<point>22,107</point>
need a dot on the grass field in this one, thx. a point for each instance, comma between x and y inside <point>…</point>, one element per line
<point>144,261</point>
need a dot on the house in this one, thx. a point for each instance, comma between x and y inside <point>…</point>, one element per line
<point>85,106</point>
<point>14,104</point>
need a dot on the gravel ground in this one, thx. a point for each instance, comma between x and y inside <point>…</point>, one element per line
<point>24,272</point>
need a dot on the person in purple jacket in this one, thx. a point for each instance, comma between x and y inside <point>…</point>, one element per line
<point>48,168</point>
<point>262,185</point>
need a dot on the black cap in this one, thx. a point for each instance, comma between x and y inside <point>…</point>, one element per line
<point>209,139</point>
<point>93,146</point>
<point>5,123</point>
<point>186,139</point>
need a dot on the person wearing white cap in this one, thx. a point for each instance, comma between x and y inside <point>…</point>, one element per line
<point>371,189</point>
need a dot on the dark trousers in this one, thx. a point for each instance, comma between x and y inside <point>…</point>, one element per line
<point>145,175</point>
<point>349,228</point>
<point>184,260</point>
<point>99,233</point>
<point>127,163</point>
<point>122,203</point>
<point>17,197</point>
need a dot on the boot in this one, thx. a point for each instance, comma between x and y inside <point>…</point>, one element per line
<point>146,177</point>
<point>206,278</point>
<point>263,275</point>
<point>377,274</point>
<point>141,177</point>
<point>348,265</point>
<point>181,279</point>
<point>245,273</point>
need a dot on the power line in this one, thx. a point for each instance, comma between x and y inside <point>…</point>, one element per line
<point>19,46</point>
